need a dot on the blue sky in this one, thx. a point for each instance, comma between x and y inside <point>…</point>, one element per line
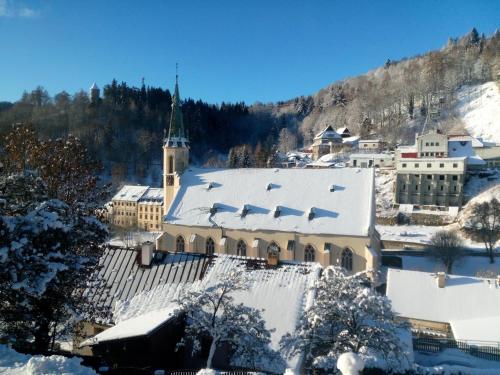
<point>227,50</point>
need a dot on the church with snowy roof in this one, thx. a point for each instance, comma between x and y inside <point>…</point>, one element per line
<point>318,215</point>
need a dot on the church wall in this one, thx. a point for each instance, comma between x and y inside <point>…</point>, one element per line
<point>361,260</point>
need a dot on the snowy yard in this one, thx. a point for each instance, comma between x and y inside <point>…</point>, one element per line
<point>453,361</point>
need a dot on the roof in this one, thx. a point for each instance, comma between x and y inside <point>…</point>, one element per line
<point>328,133</point>
<point>120,277</point>
<point>94,87</point>
<point>342,130</point>
<point>294,191</point>
<point>153,195</point>
<point>130,193</point>
<point>370,156</point>
<point>469,304</point>
<point>352,139</point>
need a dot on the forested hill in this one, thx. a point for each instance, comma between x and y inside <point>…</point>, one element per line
<point>125,128</point>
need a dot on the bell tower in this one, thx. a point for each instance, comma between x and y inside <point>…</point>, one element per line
<point>175,151</point>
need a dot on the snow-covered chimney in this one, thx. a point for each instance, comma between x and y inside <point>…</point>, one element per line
<point>147,249</point>
<point>441,279</point>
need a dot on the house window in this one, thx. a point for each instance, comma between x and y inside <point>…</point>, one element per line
<point>442,187</point>
<point>179,244</point>
<point>404,165</point>
<point>328,247</point>
<point>241,248</point>
<point>455,165</point>
<point>404,187</point>
<point>432,143</point>
<point>309,253</point>
<point>210,246</point>
<point>346,260</point>
<point>416,187</point>
<point>429,165</point>
<point>416,165</point>
<point>454,178</point>
<point>441,165</point>
<point>428,188</point>
<point>441,177</point>
<point>290,246</point>
<point>429,177</point>
<point>454,188</point>
<point>427,143</point>
<point>437,143</point>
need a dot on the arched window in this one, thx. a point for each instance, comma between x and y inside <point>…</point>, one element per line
<point>241,248</point>
<point>309,253</point>
<point>210,246</point>
<point>346,260</point>
<point>170,164</point>
<point>273,248</point>
<point>179,244</point>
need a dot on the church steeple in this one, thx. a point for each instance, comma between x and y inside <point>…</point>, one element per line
<point>175,150</point>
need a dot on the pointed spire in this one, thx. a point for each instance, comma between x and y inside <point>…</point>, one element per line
<point>176,129</point>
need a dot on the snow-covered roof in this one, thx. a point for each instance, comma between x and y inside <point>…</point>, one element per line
<point>352,139</point>
<point>328,133</point>
<point>130,193</point>
<point>261,190</point>
<point>283,293</point>
<point>94,87</point>
<point>470,305</point>
<point>342,130</point>
<point>152,195</point>
<point>120,277</point>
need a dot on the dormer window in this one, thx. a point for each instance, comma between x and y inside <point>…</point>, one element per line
<point>213,209</point>
<point>210,185</point>
<point>245,210</point>
<point>311,214</point>
<point>332,188</point>
<point>269,187</point>
<point>277,211</point>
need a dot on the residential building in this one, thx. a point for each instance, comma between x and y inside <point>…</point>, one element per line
<point>125,205</point>
<point>460,307</point>
<point>371,160</point>
<point>371,145</point>
<point>488,151</point>
<point>328,141</point>
<point>138,206</point>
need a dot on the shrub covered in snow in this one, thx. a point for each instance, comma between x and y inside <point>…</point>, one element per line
<point>348,316</point>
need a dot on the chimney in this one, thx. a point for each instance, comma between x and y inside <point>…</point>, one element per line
<point>146,255</point>
<point>441,279</point>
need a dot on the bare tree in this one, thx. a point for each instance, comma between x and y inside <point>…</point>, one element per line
<point>485,225</point>
<point>446,247</point>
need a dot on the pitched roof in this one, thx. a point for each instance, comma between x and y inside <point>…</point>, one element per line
<point>347,209</point>
<point>130,193</point>
<point>469,304</point>
<point>328,133</point>
<point>154,195</point>
<point>120,277</point>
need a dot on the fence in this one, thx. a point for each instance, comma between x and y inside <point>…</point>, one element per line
<point>480,349</point>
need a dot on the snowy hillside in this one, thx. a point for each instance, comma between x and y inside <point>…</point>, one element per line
<point>478,107</point>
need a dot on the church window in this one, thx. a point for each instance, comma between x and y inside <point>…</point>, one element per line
<point>179,244</point>
<point>170,164</point>
<point>346,260</point>
<point>309,254</point>
<point>241,248</point>
<point>210,246</point>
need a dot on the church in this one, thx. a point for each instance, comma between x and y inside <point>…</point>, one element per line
<point>313,215</point>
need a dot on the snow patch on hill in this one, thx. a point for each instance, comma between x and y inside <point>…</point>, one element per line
<point>478,106</point>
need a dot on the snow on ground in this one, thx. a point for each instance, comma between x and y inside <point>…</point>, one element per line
<point>485,196</point>
<point>478,106</point>
<point>454,361</point>
<point>14,363</point>
<point>476,184</point>
<point>384,186</point>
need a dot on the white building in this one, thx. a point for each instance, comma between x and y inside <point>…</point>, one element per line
<point>371,160</point>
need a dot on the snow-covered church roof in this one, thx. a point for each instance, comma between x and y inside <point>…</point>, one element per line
<point>342,200</point>
<point>470,305</point>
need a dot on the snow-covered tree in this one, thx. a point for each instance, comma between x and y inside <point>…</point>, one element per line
<point>348,315</point>
<point>212,313</point>
<point>47,250</point>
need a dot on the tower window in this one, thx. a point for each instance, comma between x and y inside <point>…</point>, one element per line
<point>170,164</point>
<point>179,244</point>
<point>210,246</point>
